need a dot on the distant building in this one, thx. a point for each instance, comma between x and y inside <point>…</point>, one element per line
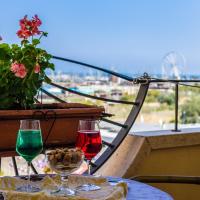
<point>115,79</point>
<point>101,93</point>
<point>116,94</point>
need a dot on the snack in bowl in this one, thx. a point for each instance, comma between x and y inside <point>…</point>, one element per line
<point>65,160</point>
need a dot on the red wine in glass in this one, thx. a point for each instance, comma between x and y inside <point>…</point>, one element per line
<point>90,142</point>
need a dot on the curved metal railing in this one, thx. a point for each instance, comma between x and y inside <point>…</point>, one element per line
<point>136,106</point>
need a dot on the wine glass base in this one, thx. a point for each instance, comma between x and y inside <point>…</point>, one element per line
<point>29,188</point>
<point>64,192</point>
<point>88,187</point>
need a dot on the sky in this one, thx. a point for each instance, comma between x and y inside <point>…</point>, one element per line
<point>129,36</point>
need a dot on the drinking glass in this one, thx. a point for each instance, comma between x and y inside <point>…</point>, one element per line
<point>64,162</point>
<point>89,140</point>
<point>29,144</point>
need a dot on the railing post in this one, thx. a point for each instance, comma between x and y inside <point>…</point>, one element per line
<point>176,108</point>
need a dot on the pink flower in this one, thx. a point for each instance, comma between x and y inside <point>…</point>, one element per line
<point>37,68</point>
<point>29,27</point>
<point>14,67</point>
<point>21,73</point>
<point>18,69</point>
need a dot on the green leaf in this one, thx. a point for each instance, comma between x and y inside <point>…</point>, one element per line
<point>15,47</point>
<point>45,34</point>
<point>35,42</point>
<point>51,66</point>
<point>47,79</point>
<point>5,52</point>
<point>24,42</point>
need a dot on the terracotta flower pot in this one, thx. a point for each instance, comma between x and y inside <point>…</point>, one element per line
<point>59,123</point>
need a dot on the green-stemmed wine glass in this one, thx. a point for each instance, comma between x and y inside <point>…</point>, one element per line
<point>29,144</point>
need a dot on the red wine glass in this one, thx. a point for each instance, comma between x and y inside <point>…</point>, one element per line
<point>89,140</point>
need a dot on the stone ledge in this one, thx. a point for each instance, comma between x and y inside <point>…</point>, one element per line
<point>170,139</point>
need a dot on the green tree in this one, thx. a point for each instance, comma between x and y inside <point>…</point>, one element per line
<point>152,96</point>
<point>190,111</point>
<point>166,98</point>
<point>127,97</point>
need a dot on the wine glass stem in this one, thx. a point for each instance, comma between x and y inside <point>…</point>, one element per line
<point>29,177</point>
<point>64,182</point>
<point>89,166</point>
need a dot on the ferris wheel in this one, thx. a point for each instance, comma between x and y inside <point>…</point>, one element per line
<point>173,65</point>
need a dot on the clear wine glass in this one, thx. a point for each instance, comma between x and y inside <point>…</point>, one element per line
<point>29,144</point>
<point>64,162</point>
<point>89,140</point>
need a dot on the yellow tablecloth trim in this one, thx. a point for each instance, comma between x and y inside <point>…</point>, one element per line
<point>107,192</point>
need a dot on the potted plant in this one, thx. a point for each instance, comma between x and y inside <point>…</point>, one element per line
<point>22,67</point>
<point>22,72</point>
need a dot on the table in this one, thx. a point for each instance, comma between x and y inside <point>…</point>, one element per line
<point>141,191</point>
<point>136,190</point>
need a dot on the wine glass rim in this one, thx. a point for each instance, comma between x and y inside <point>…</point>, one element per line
<point>88,131</point>
<point>88,120</point>
<point>29,120</point>
<point>30,129</point>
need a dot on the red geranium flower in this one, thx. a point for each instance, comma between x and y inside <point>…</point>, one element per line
<point>29,27</point>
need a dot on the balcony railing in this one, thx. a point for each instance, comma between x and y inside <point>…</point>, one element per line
<point>143,82</point>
